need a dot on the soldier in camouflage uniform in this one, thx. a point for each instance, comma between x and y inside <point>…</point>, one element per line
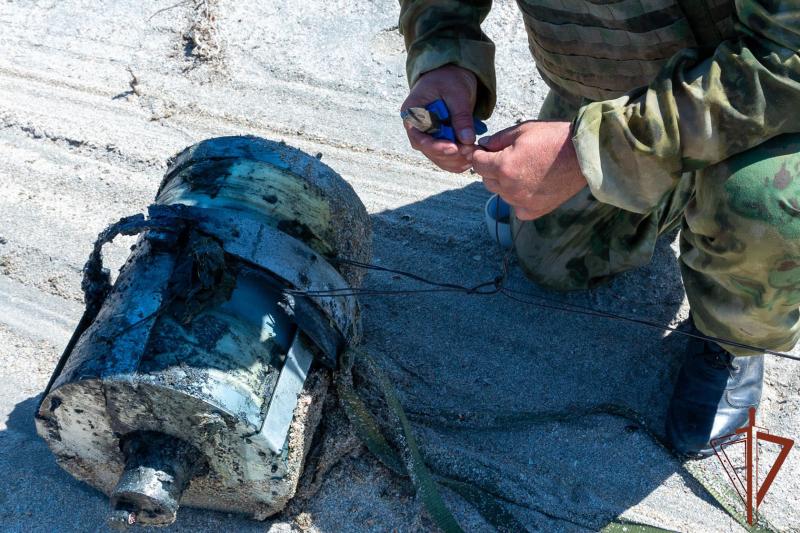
<point>661,113</point>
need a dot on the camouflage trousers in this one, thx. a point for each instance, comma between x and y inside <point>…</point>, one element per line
<point>739,241</point>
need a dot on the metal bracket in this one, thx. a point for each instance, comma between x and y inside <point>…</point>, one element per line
<point>280,413</point>
<point>295,264</point>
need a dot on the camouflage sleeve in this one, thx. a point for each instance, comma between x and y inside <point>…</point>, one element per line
<point>697,112</point>
<point>441,32</point>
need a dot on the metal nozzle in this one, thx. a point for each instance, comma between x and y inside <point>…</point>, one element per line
<point>157,470</point>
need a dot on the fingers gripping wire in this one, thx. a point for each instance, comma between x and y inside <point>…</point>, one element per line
<point>497,286</point>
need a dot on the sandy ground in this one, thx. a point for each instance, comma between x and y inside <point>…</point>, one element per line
<point>95,96</point>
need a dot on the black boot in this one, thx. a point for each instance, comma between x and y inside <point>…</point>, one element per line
<point>712,396</point>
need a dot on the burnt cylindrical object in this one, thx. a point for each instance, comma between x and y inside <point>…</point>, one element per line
<point>198,379</point>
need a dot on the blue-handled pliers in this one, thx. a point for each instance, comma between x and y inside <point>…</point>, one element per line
<point>434,119</point>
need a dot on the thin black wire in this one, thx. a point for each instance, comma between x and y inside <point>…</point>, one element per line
<point>576,309</point>
<point>497,286</point>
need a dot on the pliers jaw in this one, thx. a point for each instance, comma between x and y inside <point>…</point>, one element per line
<point>434,119</point>
<point>421,119</point>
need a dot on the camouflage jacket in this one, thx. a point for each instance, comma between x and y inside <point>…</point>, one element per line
<point>671,85</point>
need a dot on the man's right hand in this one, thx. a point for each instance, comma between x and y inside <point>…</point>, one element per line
<point>458,88</point>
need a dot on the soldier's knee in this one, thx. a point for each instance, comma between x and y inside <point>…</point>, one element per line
<point>583,244</point>
<point>552,261</point>
<point>574,276</point>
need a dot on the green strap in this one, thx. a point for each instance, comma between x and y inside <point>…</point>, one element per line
<point>366,428</point>
<point>415,467</point>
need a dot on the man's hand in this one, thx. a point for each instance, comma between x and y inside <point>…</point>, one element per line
<point>458,88</point>
<point>531,166</point>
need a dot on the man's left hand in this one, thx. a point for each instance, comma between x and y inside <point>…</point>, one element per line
<point>532,166</point>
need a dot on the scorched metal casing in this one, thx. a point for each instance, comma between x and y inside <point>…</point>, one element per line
<point>177,373</point>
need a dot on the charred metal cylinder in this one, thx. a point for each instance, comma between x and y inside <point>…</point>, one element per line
<point>198,379</point>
